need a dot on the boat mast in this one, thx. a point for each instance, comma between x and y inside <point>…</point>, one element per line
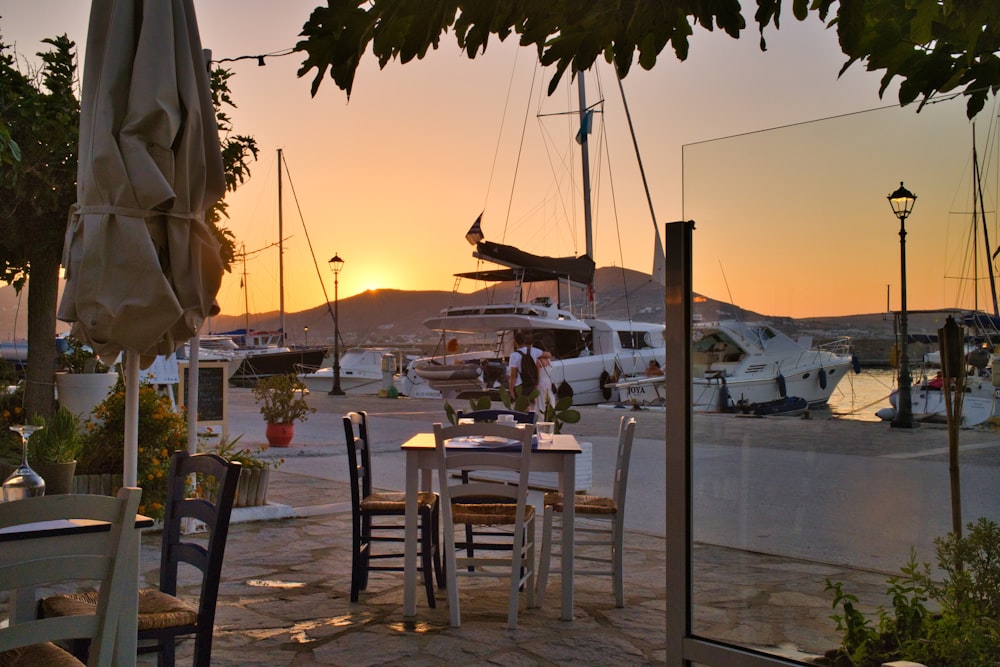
<point>246,294</point>
<point>281,260</point>
<point>585,161</point>
<point>978,194</point>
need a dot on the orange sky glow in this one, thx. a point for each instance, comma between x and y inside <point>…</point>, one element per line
<point>791,221</point>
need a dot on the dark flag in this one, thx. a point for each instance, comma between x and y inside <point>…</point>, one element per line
<point>475,233</point>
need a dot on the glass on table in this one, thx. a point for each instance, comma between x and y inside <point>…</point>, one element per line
<point>23,482</point>
<point>545,431</point>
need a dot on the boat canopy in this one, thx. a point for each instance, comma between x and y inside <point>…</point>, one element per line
<point>530,268</point>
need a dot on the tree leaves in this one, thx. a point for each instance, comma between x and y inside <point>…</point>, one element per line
<point>935,47</point>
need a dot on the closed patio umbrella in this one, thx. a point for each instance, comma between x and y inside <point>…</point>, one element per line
<point>142,265</point>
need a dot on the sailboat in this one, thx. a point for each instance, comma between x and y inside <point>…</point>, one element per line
<point>255,354</point>
<point>587,351</point>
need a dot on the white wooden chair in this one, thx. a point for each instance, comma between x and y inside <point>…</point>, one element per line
<point>30,642</point>
<point>515,558</point>
<point>600,522</point>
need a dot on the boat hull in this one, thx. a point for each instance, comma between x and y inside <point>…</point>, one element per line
<point>257,365</point>
<point>980,403</point>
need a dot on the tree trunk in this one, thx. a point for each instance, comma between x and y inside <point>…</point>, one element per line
<point>43,298</point>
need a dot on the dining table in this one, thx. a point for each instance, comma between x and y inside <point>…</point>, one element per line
<point>556,455</point>
<point>28,541</point>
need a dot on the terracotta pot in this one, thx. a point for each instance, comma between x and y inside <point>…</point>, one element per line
<point>279,435</point>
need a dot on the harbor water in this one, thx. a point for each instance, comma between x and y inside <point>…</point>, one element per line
<point>859,396</point>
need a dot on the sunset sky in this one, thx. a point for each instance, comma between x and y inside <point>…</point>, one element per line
<point>791,221</point>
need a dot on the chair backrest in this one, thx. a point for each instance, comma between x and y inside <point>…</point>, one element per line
<point>62,562</point>
<point>626,433</point>
<point>491,415</point>
<point>222,477</point>
<point>359,456</point>
<point>483,458</point>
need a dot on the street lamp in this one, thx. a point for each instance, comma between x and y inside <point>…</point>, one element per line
<point>336,264</point>
<point>902,201</point>
<point>305,330</point>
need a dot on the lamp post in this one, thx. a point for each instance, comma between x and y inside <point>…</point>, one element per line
<point>305,331</point>
<point>902,201</point>
<point>336,264</point>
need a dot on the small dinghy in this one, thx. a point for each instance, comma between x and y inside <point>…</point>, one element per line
<point>787,406</point>
<point>436,371</point>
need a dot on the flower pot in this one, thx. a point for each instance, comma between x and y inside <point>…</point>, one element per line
<point>80,393</point>
<point>279,435</point>
<point>58,476</point>
<point>252,488</point>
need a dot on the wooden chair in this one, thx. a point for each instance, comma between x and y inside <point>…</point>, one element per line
<point>600,522</point>
<point>29,643</point>
<point>163,617</point>
<point>371,508</point>
<point>517,559</point>
<point>488,416</point>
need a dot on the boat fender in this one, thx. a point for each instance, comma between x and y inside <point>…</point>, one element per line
<point>565,390</point>
<point>723,397</point>
<point>855,363</point>
<point>822,378</point>
<point>782,390</point>
<point>605,389</point>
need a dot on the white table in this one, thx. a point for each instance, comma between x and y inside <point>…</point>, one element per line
<point>28,541</point>
<point>557,456</point>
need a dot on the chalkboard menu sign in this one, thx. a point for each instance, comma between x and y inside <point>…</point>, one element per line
<point>213,392</point>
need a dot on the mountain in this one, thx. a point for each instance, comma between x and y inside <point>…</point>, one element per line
<point>395,317</point>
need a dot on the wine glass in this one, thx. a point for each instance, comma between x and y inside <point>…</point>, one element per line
<point>23,482</point>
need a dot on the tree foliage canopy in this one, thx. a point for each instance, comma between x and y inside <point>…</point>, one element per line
<point>934,46</point>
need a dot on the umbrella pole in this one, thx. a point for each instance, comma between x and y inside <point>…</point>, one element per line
<point>130,473</point>
<point>194,348</point>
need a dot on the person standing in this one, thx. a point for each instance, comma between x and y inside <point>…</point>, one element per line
<point>523,365</point>
<point>545,394</point>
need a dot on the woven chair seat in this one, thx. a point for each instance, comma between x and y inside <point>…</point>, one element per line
<point>39,655</point>
<point>584,504</point>
<point>395,501</point>
<point>489,514</point>
<point>156,610</point>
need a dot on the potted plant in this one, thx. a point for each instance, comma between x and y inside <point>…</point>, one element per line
<point>82,379</point>
<point>282,403</point>
<point>255,475</point>
<point>52,451</point>
<point>162,431</point>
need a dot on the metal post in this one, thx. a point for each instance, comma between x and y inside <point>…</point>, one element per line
<point>336,264</point>
<point>902,201</point>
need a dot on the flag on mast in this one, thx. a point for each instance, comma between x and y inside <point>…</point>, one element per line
<point>475,233</point>
<point>586,126</point>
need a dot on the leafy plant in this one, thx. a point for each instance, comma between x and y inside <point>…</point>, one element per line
<point>11,413</point>
<point>282,399</point>
<point>59,441</point>
<point>80,358</point>
<point>249,458</point>
<point>966,629</point>
<point>161,432</point>
<point>559,413</point>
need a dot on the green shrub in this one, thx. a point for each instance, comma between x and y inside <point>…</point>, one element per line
<point>964,631</point>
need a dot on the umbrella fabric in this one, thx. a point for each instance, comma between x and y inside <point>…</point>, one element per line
<point>142,265</point>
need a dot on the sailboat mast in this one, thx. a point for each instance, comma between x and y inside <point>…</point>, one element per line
<point>281,258</point>
<point>978,185</point>
<point>585,161</point>
<point>246,293</point>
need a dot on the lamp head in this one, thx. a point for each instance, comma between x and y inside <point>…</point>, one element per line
<point>336,264</point>
<point>902,201</point>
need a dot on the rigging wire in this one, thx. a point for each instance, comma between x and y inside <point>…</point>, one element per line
<point>312,252</point>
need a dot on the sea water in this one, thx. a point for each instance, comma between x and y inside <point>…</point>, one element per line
<point>859,396</point>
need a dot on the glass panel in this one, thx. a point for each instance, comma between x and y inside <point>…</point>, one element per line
<point>794,223</point>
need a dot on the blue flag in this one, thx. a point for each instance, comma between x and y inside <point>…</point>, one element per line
<point>586,126</point>
<point>475,233</point>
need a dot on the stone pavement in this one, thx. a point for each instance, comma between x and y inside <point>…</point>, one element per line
<point>285,595</point>
<point>284,598</point>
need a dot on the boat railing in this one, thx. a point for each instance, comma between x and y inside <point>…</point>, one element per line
<point>841,346</point>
